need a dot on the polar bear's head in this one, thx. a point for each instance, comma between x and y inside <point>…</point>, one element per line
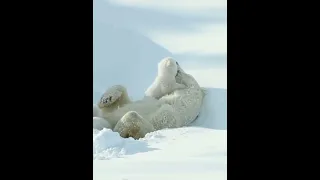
<point>167,66</point>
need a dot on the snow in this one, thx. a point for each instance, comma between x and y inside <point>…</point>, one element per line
<point>179,42</point>
<point>130,38</point>
<point>184,153</point>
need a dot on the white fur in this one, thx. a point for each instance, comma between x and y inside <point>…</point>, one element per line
<point>96,111</point>
<point>165,81</point>
<point>136,119</point>
<point>100,123</point>
<point>186,103</point>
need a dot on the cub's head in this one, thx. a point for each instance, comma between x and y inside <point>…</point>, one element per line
<point>167,66</point>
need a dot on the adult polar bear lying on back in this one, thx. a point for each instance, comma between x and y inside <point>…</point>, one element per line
<point>136,119</point>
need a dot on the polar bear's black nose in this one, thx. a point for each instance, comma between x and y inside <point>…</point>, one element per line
<point>177,63</point>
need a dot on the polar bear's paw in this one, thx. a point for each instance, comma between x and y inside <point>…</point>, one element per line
<point>111,95</point>
<point>133,125</point>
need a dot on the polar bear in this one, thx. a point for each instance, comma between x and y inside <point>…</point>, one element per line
<point>136,119</point>
<point>100,123</point>
<point>165,81</point>
<point>96,111</point>
<point>115,103</point>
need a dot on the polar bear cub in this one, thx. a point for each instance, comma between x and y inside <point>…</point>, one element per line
<point>165,81</point>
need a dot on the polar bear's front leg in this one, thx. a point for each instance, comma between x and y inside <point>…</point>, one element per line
<point>179,86</point>
<point>133,125</point>
<point>168,99</point>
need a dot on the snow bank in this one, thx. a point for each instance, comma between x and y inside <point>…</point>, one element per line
<point>108,144</point>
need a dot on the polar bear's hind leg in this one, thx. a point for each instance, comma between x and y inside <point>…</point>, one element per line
<point>114,94</point>
<point>133,125</point>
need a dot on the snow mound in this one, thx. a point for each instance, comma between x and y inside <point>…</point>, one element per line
<point>108,144</point>
<point>181,153</point>
<point>213,114</point>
